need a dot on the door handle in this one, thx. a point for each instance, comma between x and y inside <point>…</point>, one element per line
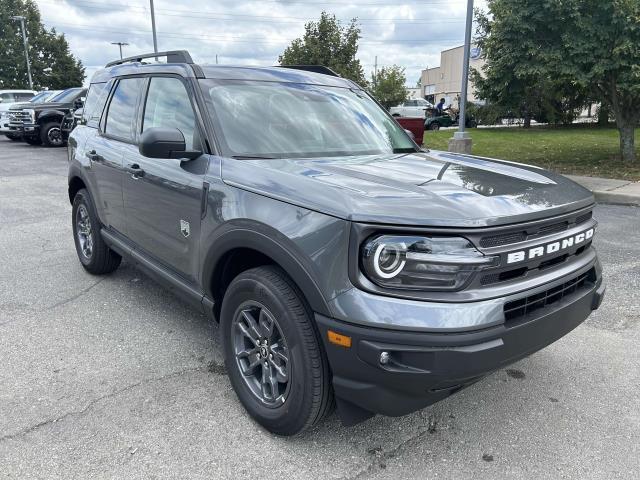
<point>93,156</point>
<point>135,170</point>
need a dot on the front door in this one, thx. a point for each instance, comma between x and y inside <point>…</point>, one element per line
<point>163,197</point>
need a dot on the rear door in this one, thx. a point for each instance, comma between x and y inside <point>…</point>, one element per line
<point>105,150</point>
<point>163,197</point>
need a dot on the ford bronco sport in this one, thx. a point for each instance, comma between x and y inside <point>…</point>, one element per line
<point>346,265</point>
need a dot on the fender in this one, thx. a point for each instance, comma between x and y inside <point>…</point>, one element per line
<point>45,114</point>
<point>76,170</point>
<point>243,236</point>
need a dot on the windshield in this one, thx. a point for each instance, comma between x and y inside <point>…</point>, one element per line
<point>284,120</point>
<point>43,96</point>
<point>66,96</point>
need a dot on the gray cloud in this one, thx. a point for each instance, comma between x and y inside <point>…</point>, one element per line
<point>408,33</point>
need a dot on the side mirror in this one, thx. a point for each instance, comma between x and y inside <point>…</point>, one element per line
<point>78,113</point>
<point>160,142</point>
<point>77,103</point>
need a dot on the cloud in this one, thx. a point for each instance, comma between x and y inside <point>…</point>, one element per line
<point>410,33</point>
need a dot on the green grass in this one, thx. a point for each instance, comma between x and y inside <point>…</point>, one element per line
<point>580,150</point>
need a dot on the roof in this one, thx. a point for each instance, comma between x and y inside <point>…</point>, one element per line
<point>9,90</point>
<point>222,72</point>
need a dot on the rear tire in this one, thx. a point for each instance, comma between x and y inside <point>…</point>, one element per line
<point>273,353</point>
<point>94,254</point>
<point>434,126</point>
<point>51,135</point>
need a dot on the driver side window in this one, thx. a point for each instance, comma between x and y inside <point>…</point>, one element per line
<point>168,106</point>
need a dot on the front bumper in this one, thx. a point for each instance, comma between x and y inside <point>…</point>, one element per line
<point>30,129</point>
<point>425,367</point>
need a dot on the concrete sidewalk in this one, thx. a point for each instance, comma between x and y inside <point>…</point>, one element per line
<point>606,190</point>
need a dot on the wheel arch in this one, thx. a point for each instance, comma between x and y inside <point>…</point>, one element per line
<point>239,249</point>
<point>49,115</point>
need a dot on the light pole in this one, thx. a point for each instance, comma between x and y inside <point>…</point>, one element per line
<point>26,47</point>
<point>461,141</point>
<point>153,28</point>
<point>120,44</point>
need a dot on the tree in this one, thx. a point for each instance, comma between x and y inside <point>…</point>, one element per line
<point>328,43</point>
<point>388,86</point>
<point>559,55</point>
<point>515,38</point>
<point>52,64</point>
<point>600,49</point>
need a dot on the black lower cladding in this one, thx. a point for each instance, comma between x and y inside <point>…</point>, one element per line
<point>422,368</point>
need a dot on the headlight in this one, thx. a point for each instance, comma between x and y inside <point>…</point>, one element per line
<point>422,263</point>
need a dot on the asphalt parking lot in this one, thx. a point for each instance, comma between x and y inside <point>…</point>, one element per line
<point>112,377</point>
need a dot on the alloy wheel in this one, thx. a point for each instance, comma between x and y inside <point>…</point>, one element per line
<point>84,232</point>
<point>261,353</point>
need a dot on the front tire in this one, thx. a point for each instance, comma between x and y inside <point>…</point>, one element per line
<point>275,360</point>
<point>51,135</point>
<point>94,254</point>
<point>434,126</point>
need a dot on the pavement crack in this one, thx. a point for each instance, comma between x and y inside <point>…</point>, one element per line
<point>77,295</point>
<point>95,401</point>
<point>381,456</point>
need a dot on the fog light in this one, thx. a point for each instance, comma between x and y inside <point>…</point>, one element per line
<point>384,358</point>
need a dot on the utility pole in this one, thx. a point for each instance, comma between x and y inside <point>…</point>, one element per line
<point>153,28</point>
<point>120,44</point>
<point>461,141</point>
<point>26,47</point>
<point>375,73</point>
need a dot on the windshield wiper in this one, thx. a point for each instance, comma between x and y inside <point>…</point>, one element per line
<point>252,157</point>
<point>404,150</point>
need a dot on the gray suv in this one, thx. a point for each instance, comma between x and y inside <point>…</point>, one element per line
<point>346,266</point>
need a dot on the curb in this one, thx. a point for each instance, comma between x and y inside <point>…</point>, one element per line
<point>611,191</point>
<point>616,198</point>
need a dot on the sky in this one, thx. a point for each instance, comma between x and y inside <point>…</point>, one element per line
<point>409,33</point>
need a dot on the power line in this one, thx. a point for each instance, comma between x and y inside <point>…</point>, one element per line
<point>265,18</point>
<point>225,38</point>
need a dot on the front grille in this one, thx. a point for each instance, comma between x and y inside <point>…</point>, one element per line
<point>520,308</point>
<point>19,117</point>
<point>523,235</point>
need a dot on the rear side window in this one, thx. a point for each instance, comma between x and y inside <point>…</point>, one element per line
<point>168,106</point>
<point>122,109</point>
<point>23,97</point>
<point>94,104</point>
<point>7,97</point>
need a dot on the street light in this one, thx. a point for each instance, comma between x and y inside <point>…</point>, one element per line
<point>21,19</point>
<point>120,44</point>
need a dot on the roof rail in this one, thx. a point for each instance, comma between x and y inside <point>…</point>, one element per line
<point>312,68</point>
<point>173,56</point>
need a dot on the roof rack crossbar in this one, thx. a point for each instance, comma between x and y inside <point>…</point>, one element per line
<point>173,56</point>
<point>312,68</point>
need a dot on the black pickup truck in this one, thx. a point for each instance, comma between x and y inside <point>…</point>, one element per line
<point>39,124</point>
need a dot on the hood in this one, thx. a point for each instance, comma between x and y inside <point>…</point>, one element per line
<point>51,106</point>
<point>423,189</point>
<point>41,106</point>
<point>20,106</point>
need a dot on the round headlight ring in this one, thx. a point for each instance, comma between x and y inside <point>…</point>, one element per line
<point>393,264</point>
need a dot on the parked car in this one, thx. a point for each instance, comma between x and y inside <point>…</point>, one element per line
<point>39,124</point>
<point>411,108</point>
<point>415,126</point>
<point>5,116</point>
<point>9,97</point>
<point>69,122</point>
<point>344,263</point>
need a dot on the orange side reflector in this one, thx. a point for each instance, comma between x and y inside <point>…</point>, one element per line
<point>338,339</point>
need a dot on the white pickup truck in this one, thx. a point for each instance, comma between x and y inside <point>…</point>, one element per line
<point>411,108</point>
